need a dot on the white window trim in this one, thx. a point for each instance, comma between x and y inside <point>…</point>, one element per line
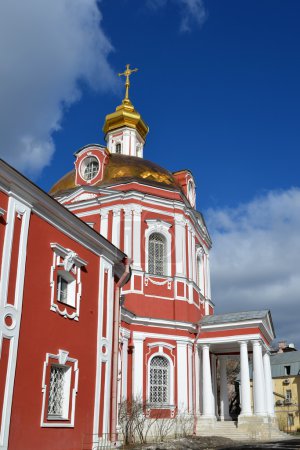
<point>161,227</point>
<point>71,263</point>
<point>170,404</point>
<point>62,359</point>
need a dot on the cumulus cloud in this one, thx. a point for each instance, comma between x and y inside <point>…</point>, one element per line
<point>192,11</point>
<point>47,48</point>
<point>256,259</point>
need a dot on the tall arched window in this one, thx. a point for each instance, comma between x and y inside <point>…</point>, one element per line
<point>159,381</point>
<point>157,254</point>
<point>118,148</point>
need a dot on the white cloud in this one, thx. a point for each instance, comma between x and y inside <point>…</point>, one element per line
<point>256,259</point>
<point>47,48</point>
<point>192,11</point>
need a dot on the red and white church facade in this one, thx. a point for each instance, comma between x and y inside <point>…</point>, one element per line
<point>105,297</point>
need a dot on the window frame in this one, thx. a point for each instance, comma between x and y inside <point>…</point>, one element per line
<point>159,246</point>
<point>170,403</point>
<point>67,418</point>
<point>160,227</point>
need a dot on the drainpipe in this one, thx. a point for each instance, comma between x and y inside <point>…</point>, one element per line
<point>194,377</point>
<point>116,328</point>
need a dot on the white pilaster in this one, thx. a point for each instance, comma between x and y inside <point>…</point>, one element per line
<point>190,377</point>
<point>137,237</point>
<point>245,380</point>
<point>224,404</point>
<point>194,257</point>
<point>190,252</point>
<point>138,365</point>
<point>116,227</point>
<point>258,380</point>
<point>268,385</point>
<point>197,380</point>
<point>182,388</point>
<point>180,245</point>
<point>127,231</point>
<point>104,222</point>
<point>207,394</point>
<point>208,290</point>
<point>125,337</point>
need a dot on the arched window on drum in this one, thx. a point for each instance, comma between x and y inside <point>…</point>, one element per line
<point>157,254</point>
<point>159,392</point>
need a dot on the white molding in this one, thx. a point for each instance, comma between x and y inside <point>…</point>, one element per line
<point>16,211</point>
<point>68,255</point>
<point>62,358</point>
<point>160,323</point>
<point>161,344</point>
<point>161,227</point>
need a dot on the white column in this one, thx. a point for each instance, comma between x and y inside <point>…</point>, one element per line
<point>116,227</point>
<point>104,222</point>
<point>126,336</point>
<point>268,385</point>
<point>207,394</point>
<point>182,393</point>
<point>190,377</point>
<point>137,237</point>
<point>224,403</point>
<point>138,365</point>
<point>258,380</point>
<point>214,382</point>
<point>245,392</point>
<point>197,381</point>
<point>127,231</point>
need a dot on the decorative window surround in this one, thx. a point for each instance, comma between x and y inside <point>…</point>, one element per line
<point>66,266</point>
<point>70,365</point>
<point>161,227</point>
<point>170,403</point>
<point>2,212</point>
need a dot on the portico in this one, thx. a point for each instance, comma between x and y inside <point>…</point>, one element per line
<point>241,336</point>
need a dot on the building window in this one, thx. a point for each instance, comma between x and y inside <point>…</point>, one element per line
<point>157,254</point>
<point>59,392</point>
<point>89,168</point>
<point>66,288</point>
<point>288,395</point>
<point>118,148</point>
<point>287,370</point>
<point>159,380</point>
<point>290,420</point>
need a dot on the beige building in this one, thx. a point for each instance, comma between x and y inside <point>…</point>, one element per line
<point>286,387</point>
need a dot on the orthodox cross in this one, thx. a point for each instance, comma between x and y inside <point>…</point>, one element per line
<point>127,74</point>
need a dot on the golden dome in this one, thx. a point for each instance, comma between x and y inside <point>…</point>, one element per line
<point>125,116</point>
<point>122,168</point>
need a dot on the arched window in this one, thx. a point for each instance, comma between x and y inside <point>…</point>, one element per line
<point>89,168</point>
<point>157,254</point>
<point>159,380</point>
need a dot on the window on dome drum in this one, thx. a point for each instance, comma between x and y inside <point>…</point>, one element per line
<point>159,381</point>
<point>157,254</point>
<point>66,285</point>
<point>59,392</point>
<point>90,168</point>
<point>118,148</point>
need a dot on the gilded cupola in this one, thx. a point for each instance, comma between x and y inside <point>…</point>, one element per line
<point>125,130</point>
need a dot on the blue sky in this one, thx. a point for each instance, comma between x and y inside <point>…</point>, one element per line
<point>218,84</point>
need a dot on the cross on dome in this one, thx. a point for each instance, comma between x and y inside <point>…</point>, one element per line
<point>127,74</point>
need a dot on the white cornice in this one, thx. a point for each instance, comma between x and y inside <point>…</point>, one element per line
<point>131,318</point>
<point>15,184</point>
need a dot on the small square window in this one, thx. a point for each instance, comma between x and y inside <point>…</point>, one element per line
<point>59,392</point>
<point>66,285</point>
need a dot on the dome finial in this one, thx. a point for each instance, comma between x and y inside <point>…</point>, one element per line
<point>127,74</point>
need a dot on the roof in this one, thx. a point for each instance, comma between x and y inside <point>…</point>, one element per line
<point>234,317</point>
<point>123,168</point>
<point>285,358</point>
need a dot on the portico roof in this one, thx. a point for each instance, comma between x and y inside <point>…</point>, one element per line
<point>228,329</point>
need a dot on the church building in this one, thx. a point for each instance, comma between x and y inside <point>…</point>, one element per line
<point>106,297</point>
